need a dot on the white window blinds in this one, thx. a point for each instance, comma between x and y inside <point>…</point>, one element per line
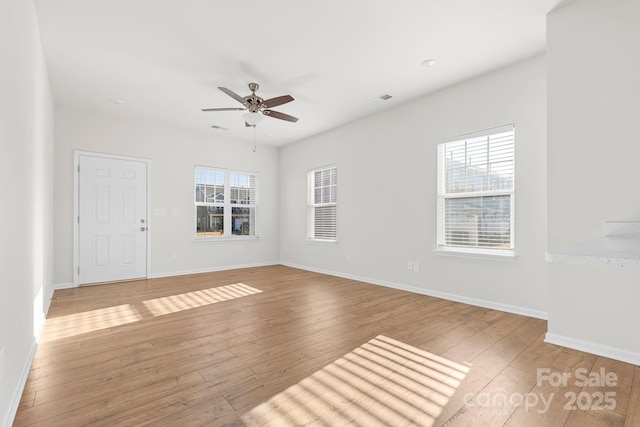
<point>475,191</point>
<point>323,184</point>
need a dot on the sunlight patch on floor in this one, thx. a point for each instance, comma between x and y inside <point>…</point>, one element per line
<point>175,303</point>
<point>89,321</point>
<point>382,382</point>
<point>104,318</point>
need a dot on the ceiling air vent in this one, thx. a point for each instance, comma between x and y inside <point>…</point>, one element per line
<point>386,97</point>
<point>219,127</point>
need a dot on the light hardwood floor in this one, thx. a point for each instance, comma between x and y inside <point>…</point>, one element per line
<point>281,346</point>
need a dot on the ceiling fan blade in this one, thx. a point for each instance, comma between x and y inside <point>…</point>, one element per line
<point>279,115</point>
<point>233,95</point>
<point>223,109</point>
<point>274,102</point>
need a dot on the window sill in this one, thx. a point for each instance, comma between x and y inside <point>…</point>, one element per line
<point>214,240</point>
<point>501,256</point>
<point>322,242</point>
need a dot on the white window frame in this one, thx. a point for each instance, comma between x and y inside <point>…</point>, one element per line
<point>227,206</point>
<point>312,206</point>
<point>442,248</point>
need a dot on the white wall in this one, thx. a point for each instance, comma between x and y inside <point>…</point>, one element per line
<point>594,169</point>
<point>387,192</point>
<point>26,140</point>
<point>174,153</point>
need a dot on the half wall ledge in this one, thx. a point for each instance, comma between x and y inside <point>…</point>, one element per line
<point>620,247</point>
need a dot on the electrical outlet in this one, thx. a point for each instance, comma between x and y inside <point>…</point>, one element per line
<point>409,265</point>
<point>351,258</point>
<point>174,256</point>
<point>416,266</point>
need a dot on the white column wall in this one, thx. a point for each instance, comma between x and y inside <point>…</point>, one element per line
<point>26,194</point>
<point>593,162</point>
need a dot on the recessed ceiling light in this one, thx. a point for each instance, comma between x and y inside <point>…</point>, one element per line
<point>429,62</point>
<point>116,101</point>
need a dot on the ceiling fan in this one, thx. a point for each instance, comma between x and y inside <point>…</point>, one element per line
<point>256,106</point>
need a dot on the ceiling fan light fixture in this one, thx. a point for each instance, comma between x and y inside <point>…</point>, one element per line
<point>252,118</point>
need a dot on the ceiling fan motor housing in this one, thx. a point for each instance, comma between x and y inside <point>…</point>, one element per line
<point>254,102</point>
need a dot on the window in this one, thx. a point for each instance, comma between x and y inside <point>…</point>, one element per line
<point>226,203</point>
<point>476,193</point>
<point>322,204</point>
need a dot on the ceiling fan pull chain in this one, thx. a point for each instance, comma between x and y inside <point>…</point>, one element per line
<point>255,143</point>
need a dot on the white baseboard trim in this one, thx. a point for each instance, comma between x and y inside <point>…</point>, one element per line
<point>437,294</point>
<point>24,374</point>
<point>10,416</point>
<point>593,348</point>
<point>212,269</point>
<point>55,287</point>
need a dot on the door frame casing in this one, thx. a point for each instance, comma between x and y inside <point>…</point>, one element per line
<point>76,207</point>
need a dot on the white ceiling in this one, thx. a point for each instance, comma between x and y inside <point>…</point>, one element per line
<point>166,58</point>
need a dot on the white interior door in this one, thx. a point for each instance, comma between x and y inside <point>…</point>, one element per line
<point>112,220</point>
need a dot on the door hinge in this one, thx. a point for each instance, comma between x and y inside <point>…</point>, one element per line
<point>78,219</point>
<point>78,270</point>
